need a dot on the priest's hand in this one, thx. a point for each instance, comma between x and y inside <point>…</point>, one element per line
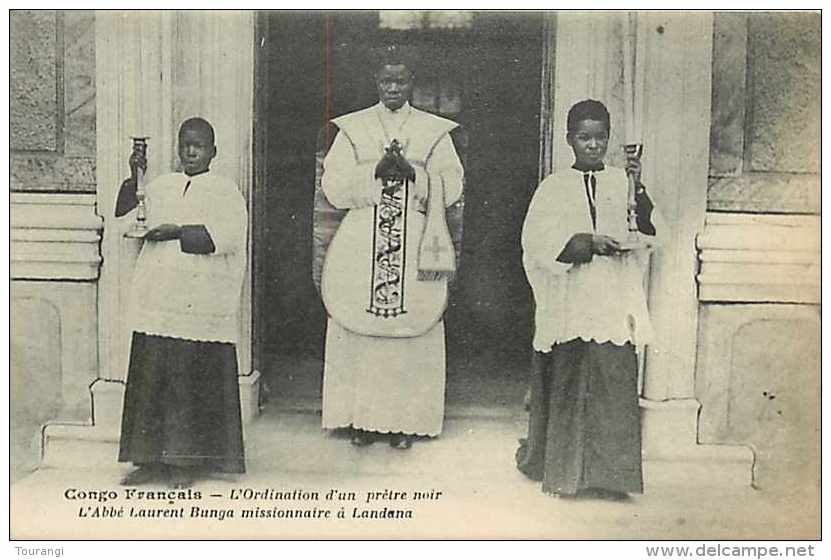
<point>164,232</point>
<point>604,245</point>
<point>405,168</point>
<point>386,166</point>
<point>394,165</point>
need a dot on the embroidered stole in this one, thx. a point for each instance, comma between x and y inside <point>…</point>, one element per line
<point>436,256</point>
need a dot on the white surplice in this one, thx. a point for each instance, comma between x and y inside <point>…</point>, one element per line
<point>191,296</point>
<point>603,300</point>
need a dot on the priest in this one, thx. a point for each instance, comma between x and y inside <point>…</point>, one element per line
<point>374,384</point>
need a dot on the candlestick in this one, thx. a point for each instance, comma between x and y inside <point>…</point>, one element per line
<point>632,151</point>
<point>139,229</point>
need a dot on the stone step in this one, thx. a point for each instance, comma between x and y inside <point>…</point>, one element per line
<point>292,442</point>
<point>701,466</point>
<point>79,446</point>
<point>480,437</point>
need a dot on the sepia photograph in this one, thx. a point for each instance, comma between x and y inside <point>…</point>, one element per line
<point>414,274</point>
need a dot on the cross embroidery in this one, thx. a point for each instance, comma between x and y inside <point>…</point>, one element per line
<point>435,248</point>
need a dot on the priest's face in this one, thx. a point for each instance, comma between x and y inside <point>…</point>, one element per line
<point>589,141</point>
<point>196,150</point>
<point>395,85</point>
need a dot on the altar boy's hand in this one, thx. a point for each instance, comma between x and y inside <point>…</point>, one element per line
<point>137,161</point>
<point>164,232</point>
<point>633,167</point>
<point>604,245</point>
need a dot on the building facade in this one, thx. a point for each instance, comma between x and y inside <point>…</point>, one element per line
<point>731,135</point>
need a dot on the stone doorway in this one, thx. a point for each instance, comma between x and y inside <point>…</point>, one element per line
<point>314,66</point>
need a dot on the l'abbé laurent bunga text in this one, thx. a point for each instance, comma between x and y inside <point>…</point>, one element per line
<point>112,512</point>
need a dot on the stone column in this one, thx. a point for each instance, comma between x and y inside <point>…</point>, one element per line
<point>133,97</point>
<point>677,142</point>
<point>213,77</point>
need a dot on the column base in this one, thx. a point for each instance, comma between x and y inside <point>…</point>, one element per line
<point>67,445</point>
<point>673,456</point>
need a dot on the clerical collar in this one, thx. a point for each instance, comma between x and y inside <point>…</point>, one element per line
<point>589,168</point>
<point>197,173</point>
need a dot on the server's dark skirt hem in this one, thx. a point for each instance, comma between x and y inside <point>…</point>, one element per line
<point>181,405</point>
<point>202,463</point>
<point>584,420</point>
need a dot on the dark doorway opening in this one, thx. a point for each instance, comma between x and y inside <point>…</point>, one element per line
<point>484,75</point>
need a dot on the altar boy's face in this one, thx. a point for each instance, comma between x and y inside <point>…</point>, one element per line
<point>589,141</point>
<point>196,150</point>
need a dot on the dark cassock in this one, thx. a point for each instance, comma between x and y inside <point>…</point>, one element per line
<point>377,380</point>
<point>181,405</point>
<point>591,314</point>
